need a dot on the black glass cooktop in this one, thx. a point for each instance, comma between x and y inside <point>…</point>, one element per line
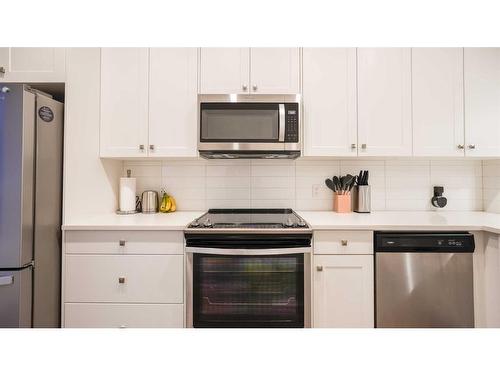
<point>249,219</point>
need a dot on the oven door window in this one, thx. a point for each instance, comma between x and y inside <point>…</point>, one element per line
<point>248,291</point>
<point>239,123</point>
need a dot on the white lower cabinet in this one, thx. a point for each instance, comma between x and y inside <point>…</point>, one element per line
<point>343,291</point>
<point>123,279</point>
<point>102,315</point>
<point>491,280</point>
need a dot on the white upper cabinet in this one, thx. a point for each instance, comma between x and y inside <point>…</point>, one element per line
<point>224,70</point>
<point>482,101</point>
<point>343,291</point>
<point>32,64</point>
<point>274,70</point>
<point>384,102</point>
<point>173,102</point>
<point>249,70</point>
<point>124,102</point>
<point>437,97</point>
<point>329,98</point>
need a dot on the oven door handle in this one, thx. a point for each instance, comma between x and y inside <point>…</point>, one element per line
<point>217,251</point>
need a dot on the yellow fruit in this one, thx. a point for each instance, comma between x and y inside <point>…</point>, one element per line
<point>173,206</point>
<point>165,203</point>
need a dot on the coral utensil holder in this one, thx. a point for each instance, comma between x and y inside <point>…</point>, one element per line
<point>342,203</point>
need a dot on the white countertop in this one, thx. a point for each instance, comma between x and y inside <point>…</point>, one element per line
<point>169,221</point>
<point>403,220</point>
<point>319,220</point>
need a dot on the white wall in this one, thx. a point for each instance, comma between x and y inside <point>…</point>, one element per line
<point>491,183</point>
<point>396,184</point>
<point>90,185</point>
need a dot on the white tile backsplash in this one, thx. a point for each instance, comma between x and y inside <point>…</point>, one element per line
<point>397,184</point>
<point>491,183</point>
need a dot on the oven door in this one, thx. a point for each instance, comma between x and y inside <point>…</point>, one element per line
<point>238,288</point>
<point>243,126</point>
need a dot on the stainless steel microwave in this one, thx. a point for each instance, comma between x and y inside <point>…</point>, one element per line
<point>250,130</point>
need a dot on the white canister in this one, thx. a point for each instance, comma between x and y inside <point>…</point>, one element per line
<point>127,193</point>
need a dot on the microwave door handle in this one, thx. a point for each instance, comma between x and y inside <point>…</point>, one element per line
<point>281,125</point>
<point>218,251</point>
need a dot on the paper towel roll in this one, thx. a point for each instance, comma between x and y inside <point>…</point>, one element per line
<point>127,194</point>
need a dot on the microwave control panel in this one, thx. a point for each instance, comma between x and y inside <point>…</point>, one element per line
<point>291,122</point>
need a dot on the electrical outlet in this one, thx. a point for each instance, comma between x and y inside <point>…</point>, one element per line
<point>316,189</point>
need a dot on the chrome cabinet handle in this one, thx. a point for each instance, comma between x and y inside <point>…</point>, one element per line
<point>363,146</point>
<point>121,280</point>
<point>244,87</point>
<point>7,280</point>
<point>254,87</point>
<point>460,147</point>
<point>343,242</point>
<point>141,147</point>
<point>152,147</point>
<point>2,70</point>
<point>319,268</point>
<point>472,147</point>
<point>353,146</point>
<point>122,243</point>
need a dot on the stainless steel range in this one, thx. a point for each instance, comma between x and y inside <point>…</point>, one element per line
<point>248,268</point>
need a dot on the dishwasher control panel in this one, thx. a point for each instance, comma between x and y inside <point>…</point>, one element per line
<point>424,242</point>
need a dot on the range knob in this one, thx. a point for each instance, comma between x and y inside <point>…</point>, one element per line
<point>207,223</point>
<point>195,224</point>
<point>288,223</point>
<point>302,223</point>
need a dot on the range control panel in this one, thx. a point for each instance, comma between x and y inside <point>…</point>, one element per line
<point>291,122</point>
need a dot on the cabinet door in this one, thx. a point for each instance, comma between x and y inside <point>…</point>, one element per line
<point>482,101</point>
<point>384,101</point>
<point>33,64</point>
<point>124,102</point>
<point>274,70</point>
<point>173,102</point>
<point>224,70</point>
<point>343,291</point>
<point>329,95</point>
<point>437,98</point>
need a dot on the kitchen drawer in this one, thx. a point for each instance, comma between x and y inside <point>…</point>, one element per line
<point>124,242</point>
<point>144,278</point>
<point>343,242</point>
<point>111,315</point>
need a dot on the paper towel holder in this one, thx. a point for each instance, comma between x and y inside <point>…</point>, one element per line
<point>132,212</point>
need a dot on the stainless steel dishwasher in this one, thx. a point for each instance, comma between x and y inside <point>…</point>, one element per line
<point>424,280</point>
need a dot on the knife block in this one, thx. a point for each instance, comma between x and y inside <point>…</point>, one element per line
<point>342,203</point>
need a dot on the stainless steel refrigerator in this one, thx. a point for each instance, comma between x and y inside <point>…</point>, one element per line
<point>31,141</point>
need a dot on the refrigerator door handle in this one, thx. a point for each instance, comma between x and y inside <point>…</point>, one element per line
<point>6,280</point>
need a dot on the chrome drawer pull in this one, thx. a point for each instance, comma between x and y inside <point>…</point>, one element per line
<point>121,280</point>
<point>319,268</point>
<point>122,243</point>
<point>343,242</point>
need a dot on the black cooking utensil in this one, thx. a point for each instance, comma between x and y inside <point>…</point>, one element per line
<point>353,182</point>
<point>336,182</point>
<point>330,184</point>
<point>347,181</point>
